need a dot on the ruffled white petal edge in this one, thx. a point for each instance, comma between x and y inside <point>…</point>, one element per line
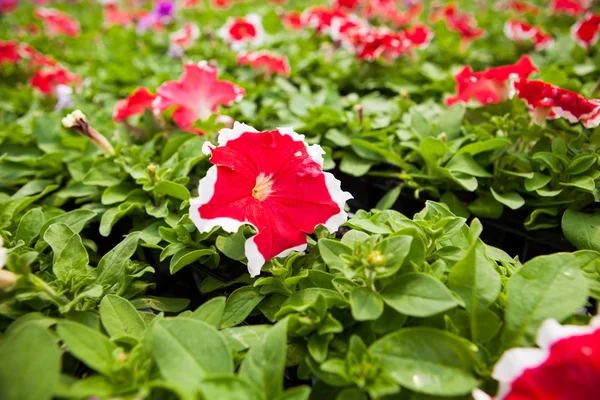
<point>576,38</point>
<point>514,32</point>
<point>515,361</point>
<point>206,190</point>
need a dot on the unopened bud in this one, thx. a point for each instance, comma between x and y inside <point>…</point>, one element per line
<point>7,279</point>
<point>122,357</point>
<point>443,137</point>
<point>78,122</point>
<point>152,172</point>
<point>376,259</point>
<point>359,112</point>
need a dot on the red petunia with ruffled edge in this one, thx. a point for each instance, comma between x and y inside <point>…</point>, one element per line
<point>270,63</point>
<point>196,95</point>
<point>547,101</point>
<point>570,7</point>
<point>9,52</point>
<point>489,86</point>
<point>58,23</point>
<point>320,18</point>
<point>140,100</point>
<point>242,32</point>
<point>566,366</point>
<point>47,79</point>
<point>273,181</point>
<point>418,36</point>
<point>185,37</point>
<point>520,31</point>
<point>460,22</point>
<point>586,31</point>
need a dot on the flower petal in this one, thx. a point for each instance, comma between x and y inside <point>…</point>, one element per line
<point>140,100</point>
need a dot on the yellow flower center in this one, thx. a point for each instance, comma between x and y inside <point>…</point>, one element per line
<point>263,187</point>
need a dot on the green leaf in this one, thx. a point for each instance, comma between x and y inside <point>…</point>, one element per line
<point>187,350</point>
<point>241,338</point>
<point>354,165</point>
<point>75,220</point>
<point>239,305</point>
<point>512,200</point>
<point>211,312</point>
<point>88,345</point>
<point>331,250</point>
<point>586,183</point>
<point>582,229</point>
<point>232,245</point>
<point>230,388</point>
<point>545,287</point>
<point>538,181</point>
<point>110,267</point>
<point>120,318</point>
<point>164,304</point>
<point>486,207</point>
<point>389,199</point>
<point>366,305</point>
<point>295,393</point>
<point>30,226</point>
<point>582,163</point>
<point>72,260</point>
<point>450,121</point>
<point>185,257</point>
<point>172,189</point>
<point>264,364</point>
<point>428,360</point>
<point>30,364</point>
<point>418,295</point>
<point>484,146</point>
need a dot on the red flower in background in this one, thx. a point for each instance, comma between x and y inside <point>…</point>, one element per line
<point>342,26</point>
<point>243,31</point>
<point>113,15</point>
<point>489,86</point>
<point>520,31</point>
<point>9,52</point>
<point>140,100</point>
<point>586,31</point>
<point>320,18</point>
<point>196,95</point>
<point>185,37</point>
<point>47,79</point>
<point>57,23</point>
<point>7,6</point>
<point>460,22</point>
<point>547,101</point>
<point>570,7</point>
<point>388,10</point>
<point>220,3</point>
<point>372,43</point>
<point>273,181</point>
<point>36,59</point>
<point>349,5</point>
<point>293,20</point>
<point>520,7</point>
<point>566,366</point>
<point>419,36</point>
<point>267,61</point>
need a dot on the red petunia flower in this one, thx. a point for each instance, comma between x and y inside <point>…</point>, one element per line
<point>320,18</point>
<point>372,43</point>
<point>520,7</point>
<point>270,63</point>
<point>520,31</point>
<point>419,36</point>
<point>113,15</point>
<point>58,23</point>
<point>196,95</point>
<point>459,22</point>
<point>184,38</point>
<point>571,7</point>
<point>243,32</point>
<point>547,101</point>
<point>565,366</point>
<point>140,100</point>
<point>47,79</point>
<point>36,59</point>
<point>273,181</point>
<point>489,86</point>
<point>341,26</point>
<point>586,31</point>
<point>221,3</point>
<point>349,5</point>
<point>293,20</point>
<point>7,6</point>
<point>9,52</point>
<point>388,10</point>
<point>189,3</point>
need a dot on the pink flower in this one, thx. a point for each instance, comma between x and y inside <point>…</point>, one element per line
<point>489,86</point>
<point>140,100</point>
<point>113,15</point>
<point>196,95</point>
<point>547,101</point>
<point>243,32</point>
<point>46,79</point>
<point>520,31</point>
<point>9,52</point>
<point>565,366</point>
<point>586,31</point>
<point>184,38</point>
<point>58,23</point>
<point>273,181</point>
<point>7,6</point>
<point>570,7</point>
<point>270,63</point>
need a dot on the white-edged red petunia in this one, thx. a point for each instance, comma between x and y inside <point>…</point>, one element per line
<point>293,20</point>
<point>196,95</point>
<point>183,39</point>
<point>269,63</point>
<point>457,21</point>
<point>565,366</point>
<point>320,18</point>
<point>48,78</point>
<point>138,102</point>
<point>520,7</point>
<point>546,101</point>
<point>520,31</point>
<point>571,7</point>
<point>58,23</point>
<point>489,86</point>
<point>243,32</point>
<point>418,36</point>
<point>273,181</point>
<point>586,31</point>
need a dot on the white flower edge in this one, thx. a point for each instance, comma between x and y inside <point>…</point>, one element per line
<point>515,361</point>
<point>71,119</point>
<point>206,190</point>
<point>575,37</point>
<point>237,45</point>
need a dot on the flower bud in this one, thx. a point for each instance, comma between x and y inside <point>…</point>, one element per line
<point>77,121</point>
<point>376,259</point>
<point>7,279</point>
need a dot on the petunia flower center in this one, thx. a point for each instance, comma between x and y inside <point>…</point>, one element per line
<point>263,187</point>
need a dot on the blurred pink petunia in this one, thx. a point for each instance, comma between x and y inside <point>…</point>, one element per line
<point>138,102</point>
<point>571,7</point>
<point>489,86</point>
<point>273,181</point>
<point>58,23</point>
<point>183,39</point>
<point>520,31</point>
<point>586,31</point>
<point>7,6</point>
<point>269,63</point>
<point>242,32</point>
<point>564,366</point>
<point>196,95</point>
<point>547,101</point>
